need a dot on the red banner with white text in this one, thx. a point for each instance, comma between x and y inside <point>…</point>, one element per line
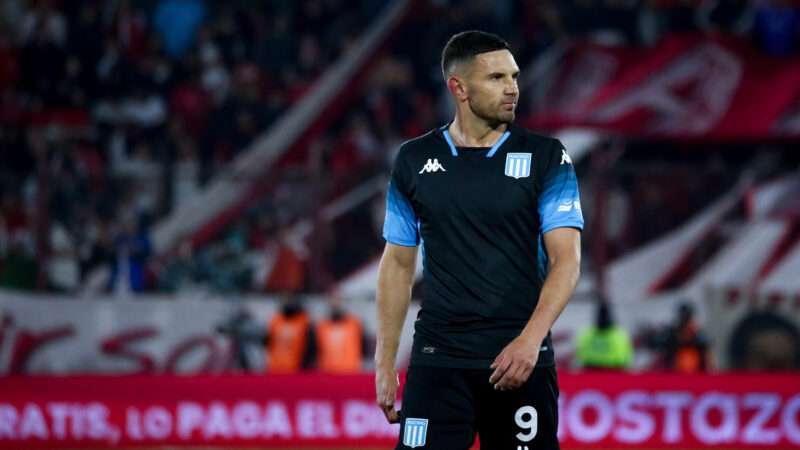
<point>597,411</point>
<point>687,87</point>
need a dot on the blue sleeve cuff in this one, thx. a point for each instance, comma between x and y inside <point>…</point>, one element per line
<point>399,241</point>
<point>564,224</point>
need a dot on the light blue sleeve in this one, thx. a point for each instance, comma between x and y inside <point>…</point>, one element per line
<point>400,225</point>
<point>560,201</point>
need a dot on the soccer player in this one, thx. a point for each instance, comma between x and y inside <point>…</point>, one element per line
<point>497,213</point>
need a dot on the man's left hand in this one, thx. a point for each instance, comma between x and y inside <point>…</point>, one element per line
<point>514,365</point>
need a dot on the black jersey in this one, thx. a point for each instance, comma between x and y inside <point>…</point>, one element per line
<point>479,215</point>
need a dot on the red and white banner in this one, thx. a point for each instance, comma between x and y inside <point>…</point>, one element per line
<point>597,411</point>
<point>686,87</point>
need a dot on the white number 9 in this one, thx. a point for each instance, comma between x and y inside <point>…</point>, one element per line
<point>529,423</point>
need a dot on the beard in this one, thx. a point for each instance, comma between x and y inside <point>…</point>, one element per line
<point>494,115</point>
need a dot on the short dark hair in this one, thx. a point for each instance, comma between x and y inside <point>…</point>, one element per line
<point>465,45</point>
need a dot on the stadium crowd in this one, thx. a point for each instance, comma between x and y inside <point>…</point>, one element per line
<point>112,113</point>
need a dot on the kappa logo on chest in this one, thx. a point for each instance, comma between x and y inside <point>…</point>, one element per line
<point>432,165</point>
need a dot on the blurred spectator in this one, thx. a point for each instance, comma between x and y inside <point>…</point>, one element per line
<point>607,21</point>
<point>242,116</point>
<point>777,27</point>
<point>129,27</point>
<point>542,23</point>
<point>234,33</point>
<point>224,264</point>
<point>157,69</point>
<point>731,16</point>
<point>764,341</point>
<point>132,251</point>
<point>144,108</point>
<point>340,340</point>
<point>185,169</point>
<point>97,245</point>
<point>191,105</point>
<point>142,173</point>
<point>291,344</point>
<point>181,271</point>
<point>604,345</point>
<point>278,47</point>
<point>63,267</point>
<point>658,17</point>
<point>111,71</point>
<point>244,334</point>
<point>357,149</point>
<point>87,51</point>
<point>177,21</point>
<point>42,63</point>
<point>215,77</point>
<point>9,74</point>
<point>683,346</point>
<point>18,265</point>
<point>43,22</point>
<point>286,265</point>
<point>11,13</point>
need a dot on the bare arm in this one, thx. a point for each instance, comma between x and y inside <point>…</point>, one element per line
<point>395,280</point>
<point>515,363</point>
<point>564,252</point>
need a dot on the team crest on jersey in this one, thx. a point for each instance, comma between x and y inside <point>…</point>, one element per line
<point>518,165</point>
<point>415,432</point>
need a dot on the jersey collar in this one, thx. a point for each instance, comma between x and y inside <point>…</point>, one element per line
<point>492,151</point>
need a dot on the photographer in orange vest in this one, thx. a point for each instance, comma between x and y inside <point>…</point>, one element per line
<point>683,346</point>
<point>687,348</point>
<point>340,341</point>
<point>291,345</point>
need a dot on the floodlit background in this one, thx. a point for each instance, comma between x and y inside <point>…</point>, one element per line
<point>192,199</point>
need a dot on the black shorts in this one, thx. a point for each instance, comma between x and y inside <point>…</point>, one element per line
<point>443,409</point>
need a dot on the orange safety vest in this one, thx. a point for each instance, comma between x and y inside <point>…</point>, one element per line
<point>287,342</point>
<point>339,345</point>
<point>689,358</point>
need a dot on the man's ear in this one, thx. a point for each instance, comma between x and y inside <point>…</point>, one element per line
<point>457,88</point>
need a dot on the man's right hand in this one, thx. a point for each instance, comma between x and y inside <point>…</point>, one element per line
<point>386,385</point>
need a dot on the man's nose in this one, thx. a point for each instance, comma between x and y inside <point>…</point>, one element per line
<point>511,88</point>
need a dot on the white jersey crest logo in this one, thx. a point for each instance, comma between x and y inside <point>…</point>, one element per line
<point>518,165</point>
<point>432,166</point>
<point>414,432</point>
